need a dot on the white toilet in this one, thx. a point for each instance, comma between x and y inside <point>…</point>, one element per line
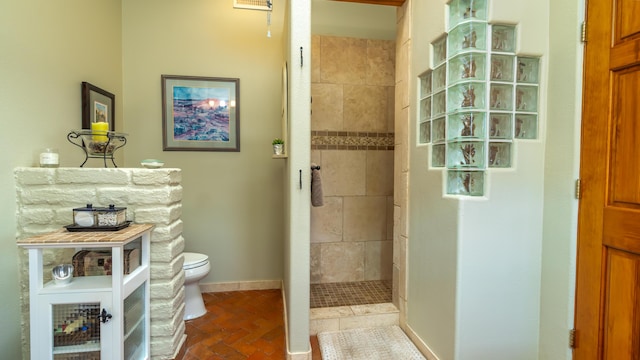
<point>196,266</point>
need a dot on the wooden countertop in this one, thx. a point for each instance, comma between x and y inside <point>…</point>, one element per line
<point>64,237</point>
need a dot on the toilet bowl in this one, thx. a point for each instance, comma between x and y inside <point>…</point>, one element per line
<point>196,267</point>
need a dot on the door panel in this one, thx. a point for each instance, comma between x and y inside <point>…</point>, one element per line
<point>625,162</point>
<point>608,271</point>
<point>629,21</point>
<point>621,305</point>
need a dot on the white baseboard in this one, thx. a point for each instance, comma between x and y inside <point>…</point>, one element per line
<point>241,285</point>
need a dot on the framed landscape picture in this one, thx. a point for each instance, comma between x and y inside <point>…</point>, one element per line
<point>97,106</point>
<point>200,113</point>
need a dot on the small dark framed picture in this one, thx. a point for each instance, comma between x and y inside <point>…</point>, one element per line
<point>200,113</point>
<point>98,106</point>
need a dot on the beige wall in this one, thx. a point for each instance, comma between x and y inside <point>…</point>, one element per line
<point>352,140</point>
<point>486,289</point>
<point>48,49</point>
<point>231,199</point>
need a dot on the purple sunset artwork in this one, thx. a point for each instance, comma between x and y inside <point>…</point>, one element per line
<point>200,113</point>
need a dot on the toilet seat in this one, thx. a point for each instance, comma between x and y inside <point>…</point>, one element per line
<point>194,260</point>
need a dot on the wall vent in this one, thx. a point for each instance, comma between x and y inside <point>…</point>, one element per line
<point>253,4</point>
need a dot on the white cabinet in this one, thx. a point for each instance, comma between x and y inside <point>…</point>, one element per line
<point>92,317</point>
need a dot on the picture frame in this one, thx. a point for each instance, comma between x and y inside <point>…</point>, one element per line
<point>98,105</point>
<point>200,113</point>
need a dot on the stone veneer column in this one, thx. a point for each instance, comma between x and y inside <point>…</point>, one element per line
<point>44,202</point>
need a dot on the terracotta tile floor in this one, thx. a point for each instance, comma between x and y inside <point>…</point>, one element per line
<point>239,325</point>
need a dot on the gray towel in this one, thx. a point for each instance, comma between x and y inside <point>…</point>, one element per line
<point>317,198</point>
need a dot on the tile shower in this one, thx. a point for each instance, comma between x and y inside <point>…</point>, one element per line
<point>352,139</point>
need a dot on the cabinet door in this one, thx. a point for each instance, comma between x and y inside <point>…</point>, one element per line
<point>72,326</point>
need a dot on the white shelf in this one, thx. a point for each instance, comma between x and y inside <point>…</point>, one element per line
<point>72,349</point>
<point>79,284</point>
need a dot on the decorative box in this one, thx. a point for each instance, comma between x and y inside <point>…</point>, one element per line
<point>99,217</point>
<point>98,262</point>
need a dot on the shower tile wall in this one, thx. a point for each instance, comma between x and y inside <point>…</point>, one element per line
<point>352,140</point>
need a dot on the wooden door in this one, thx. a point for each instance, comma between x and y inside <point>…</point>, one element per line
<point>608,271</point>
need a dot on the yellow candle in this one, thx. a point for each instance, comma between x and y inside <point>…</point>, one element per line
<point>100,128</point>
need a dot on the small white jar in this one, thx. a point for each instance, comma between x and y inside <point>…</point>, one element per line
<point>49,158</point>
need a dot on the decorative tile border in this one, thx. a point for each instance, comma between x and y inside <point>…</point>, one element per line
<point>351,140</point>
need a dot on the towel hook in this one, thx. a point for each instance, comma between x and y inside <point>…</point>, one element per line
<point>317,167</point>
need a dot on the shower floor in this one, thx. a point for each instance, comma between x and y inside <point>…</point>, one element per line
<point>350,293</point>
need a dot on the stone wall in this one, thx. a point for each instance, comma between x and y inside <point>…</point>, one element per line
<point>352,139</point>
<point>44,202</point>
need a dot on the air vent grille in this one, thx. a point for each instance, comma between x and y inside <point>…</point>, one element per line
<point>252,4</point>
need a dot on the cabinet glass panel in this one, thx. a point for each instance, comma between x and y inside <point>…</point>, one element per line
<point>76,331</point>
<point>134,324</point>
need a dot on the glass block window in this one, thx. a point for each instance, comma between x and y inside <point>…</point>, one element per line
<point>477,99</point>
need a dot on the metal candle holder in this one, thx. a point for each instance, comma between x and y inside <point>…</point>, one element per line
<point>94,145</point>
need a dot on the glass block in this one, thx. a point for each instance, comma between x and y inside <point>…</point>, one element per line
<point>469,66</point>
<point>438,128</point>
<point>500,126</point>
<point>528,69</point>
<point>462,10</point>
<point>439,104</point>
<point>440,78</point>
<point>465,154</point>
<point>469,125</point>
<point>425,84</point>
<point>425,109</point>
<point>501,97</point>
<point>469,183</point>
<point>502,67</point>
<point>439,50</point>
<point>526,98</point>
<point>469,95</point>
<point>503,38</point>
<point>425,132</point>
<point>526,126</point>
<point>500,154</point>
<point>467,37</point>
<point>437,155</point>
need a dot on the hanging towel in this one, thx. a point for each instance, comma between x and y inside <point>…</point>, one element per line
<point>316,186</point>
